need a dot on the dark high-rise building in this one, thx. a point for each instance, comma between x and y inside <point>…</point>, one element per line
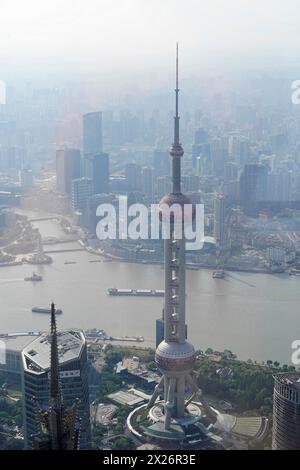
<point>26,178</point>
<point>220,232</point>
<point>201,136</point>
<point>55,390</point>
<point>91,219</point>
<point>253,186</point>
<point>286,412</point>
<point>147,185</point>
<point>92,133</point>
<point>231,171</point>
<point>92,141</point>
<point>3,217</point>
<point>201,146</point>
<point>100,173</point>
<point>280,144</point>
<point>217,156</point>
<point>82,190</point>
<point>191,183</point>
<point>67,169</point>
<point>159,330</point>
<point>240,150</point>
<point>161,163</point>
<point>163,185</point>
<point>133,175</point>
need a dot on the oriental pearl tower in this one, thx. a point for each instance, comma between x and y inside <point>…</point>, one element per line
<point>174,412</point>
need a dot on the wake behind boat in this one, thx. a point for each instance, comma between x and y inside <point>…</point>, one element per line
<point>58,311</point>
<point>219,274</point>
<point>136,292</point>
<point>35,278</point>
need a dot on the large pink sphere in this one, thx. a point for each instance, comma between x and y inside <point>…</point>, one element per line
<point>183,208</point>
<point>175,356</point>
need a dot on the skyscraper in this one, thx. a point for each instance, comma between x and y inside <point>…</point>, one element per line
<point>286,412</point>
<point>148,184</point>
<point>231,171</point>
<point>92,141</point>
<point>201,146</point>
<point>82,189</point>
<point>92,133</point>
<point>55,390</point>
<point>67,169</point>
<point>253,186</point>
<point>220,221</point>
<point>217,156</point>
<point>161,163</point>
<point>26,178</point>
<point>58,430</point>
<point>133,175</point>
<point>100,173</point>
<point>91,219</point>
<point>159,329</point>
<point>163,185</point>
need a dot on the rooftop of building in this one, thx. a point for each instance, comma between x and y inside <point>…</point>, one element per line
<point>290,378</point>
<point>36,355</point>
<point>127,397</point>
<point>82,178</point>
<point>135,367</point>
<point>248,427</point>
<point>208,239</point>
<point>16,342</point>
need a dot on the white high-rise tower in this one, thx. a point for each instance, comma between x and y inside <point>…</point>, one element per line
<point>174,411</point>
<point>175,356</point>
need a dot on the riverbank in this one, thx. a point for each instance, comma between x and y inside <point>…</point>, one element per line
<point>68,230</point>
<point>189,266</point>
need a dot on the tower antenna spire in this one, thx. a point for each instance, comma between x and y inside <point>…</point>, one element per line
<point>55,389</point>
<point>176,64</point>
<point>176,119</point>
<point>176,151</point>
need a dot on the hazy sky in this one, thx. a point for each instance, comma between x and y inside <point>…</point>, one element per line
<point>137,35</point>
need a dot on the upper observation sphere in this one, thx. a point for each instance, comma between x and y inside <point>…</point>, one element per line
<point>182,208</point>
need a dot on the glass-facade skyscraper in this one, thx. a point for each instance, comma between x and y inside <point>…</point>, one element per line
<point>286,411</point>
<point>73,371</point>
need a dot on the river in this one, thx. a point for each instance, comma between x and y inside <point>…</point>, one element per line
<point>254,315</point>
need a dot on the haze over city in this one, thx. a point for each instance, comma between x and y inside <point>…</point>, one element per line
<point>131,39</point>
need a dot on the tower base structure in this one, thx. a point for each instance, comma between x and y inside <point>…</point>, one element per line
<point>177,415</point>
<point>188,432</point>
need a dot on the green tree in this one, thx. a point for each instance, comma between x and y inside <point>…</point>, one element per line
<point>209,351</point>
<point>123,443</point>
